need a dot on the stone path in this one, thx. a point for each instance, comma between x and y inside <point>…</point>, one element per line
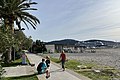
<point>18,71</point>
<point>55,71</point>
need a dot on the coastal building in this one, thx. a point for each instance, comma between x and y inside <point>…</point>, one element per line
<point>52,48</point>
<point>73,46</point>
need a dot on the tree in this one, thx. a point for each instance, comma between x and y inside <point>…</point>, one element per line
<point>6,41</point>
<point>27,43</point>
<point>38,47</point>
<point>20,38</point>
<point>22,42</point>
<point>15,11</point>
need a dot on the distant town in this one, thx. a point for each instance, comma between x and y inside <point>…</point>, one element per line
<point>72,46</point>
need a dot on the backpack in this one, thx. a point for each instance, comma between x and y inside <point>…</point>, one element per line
<point>39,67</point>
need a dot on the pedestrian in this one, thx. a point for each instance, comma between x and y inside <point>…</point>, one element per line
<point>63,59</point>
<point>41,68</point>
<point>23,58</point>
<point>47,61</point>
<point>48,66</point>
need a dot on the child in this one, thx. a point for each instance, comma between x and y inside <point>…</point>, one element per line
<point>48,66</point>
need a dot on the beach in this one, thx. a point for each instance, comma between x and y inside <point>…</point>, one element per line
<point>107,57</point>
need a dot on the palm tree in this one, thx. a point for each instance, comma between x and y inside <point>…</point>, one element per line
<point>15,11</point>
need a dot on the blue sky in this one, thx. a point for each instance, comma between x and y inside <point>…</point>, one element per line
<point>76,19</point>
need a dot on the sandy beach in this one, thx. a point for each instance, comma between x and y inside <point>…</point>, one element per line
<point>109,57</point>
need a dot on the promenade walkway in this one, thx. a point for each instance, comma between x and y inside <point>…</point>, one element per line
<point>55,70</point>
<point>18,71</point>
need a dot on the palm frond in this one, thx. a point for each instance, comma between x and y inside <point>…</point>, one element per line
<point>36,20</point>
<point>29,9</point>
<point>30,23</point>
<point>32,3</point>
<point>26,18</point>
<point>25,24</point>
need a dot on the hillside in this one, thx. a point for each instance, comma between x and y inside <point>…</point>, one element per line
<point>64,42</point>
<point>87,43</point>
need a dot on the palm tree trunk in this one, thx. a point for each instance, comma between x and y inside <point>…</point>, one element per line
<point>8,26</point>
<point>7,56</point>
<point>12,57</point>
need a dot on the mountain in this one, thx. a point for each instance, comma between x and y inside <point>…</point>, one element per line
<point>64,42</point>
<point>87,43</point>
<point>99,43</point>
<point>94,40</point>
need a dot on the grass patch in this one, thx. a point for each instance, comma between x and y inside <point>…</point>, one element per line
<point>106,72</point>
<point>95,76</point>
<point>103,75</point>
<point>30,77</point>
<point>72,64</point>
<point>14,63</point>
<point>55,60</point>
